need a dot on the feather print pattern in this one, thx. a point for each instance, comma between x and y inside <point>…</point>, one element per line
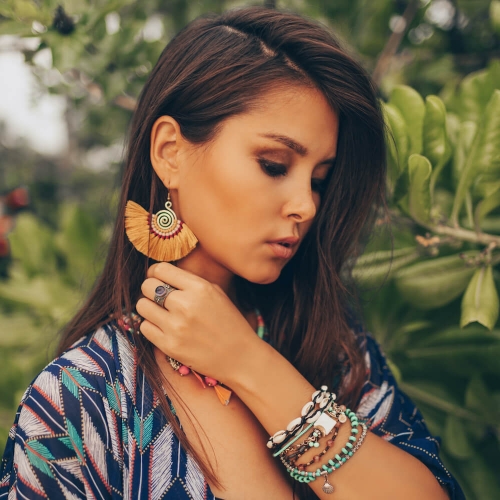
<point>90,427</point>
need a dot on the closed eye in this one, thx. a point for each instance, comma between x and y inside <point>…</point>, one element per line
<point>272,168</point>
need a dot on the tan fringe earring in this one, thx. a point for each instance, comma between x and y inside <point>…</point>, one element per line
<point>161,236</point>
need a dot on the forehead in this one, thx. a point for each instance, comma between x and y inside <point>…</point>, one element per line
<point>301,113</point>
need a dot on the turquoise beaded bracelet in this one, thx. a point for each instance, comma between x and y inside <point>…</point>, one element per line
<point>347,452</point>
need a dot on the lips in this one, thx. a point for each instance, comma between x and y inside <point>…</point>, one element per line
<point>284,247</point>
<point>289,241</point>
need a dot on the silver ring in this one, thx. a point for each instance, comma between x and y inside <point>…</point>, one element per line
<point>162,292</point>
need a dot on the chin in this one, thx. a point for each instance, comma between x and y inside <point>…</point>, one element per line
<point>263,276</point>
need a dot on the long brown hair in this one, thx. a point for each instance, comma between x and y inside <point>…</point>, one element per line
<point>215,68</point>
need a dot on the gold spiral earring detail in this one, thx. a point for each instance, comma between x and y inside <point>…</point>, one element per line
<point>161,236</point>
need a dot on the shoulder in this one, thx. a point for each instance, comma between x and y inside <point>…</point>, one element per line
<point>68,416</point>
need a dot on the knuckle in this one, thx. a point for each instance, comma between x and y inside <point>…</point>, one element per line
<point>160,269</point>
<point>204,287</point>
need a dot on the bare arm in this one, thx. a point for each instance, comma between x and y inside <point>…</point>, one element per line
<point>275,394</point>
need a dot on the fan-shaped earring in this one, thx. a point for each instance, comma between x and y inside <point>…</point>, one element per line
<point>161,236</point>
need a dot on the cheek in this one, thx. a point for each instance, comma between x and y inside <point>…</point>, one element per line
<point>220,205</point>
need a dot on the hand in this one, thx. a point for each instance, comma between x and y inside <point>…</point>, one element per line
<point>197,325</point>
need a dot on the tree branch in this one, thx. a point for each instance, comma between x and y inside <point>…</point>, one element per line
<point>393,43</point>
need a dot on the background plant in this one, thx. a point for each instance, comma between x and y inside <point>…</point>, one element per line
<point>429,275</point>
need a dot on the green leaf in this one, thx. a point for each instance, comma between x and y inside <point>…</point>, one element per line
<point>372,268</point>
<point>455,438</point>
<point>487,205</point>
<point>484,156</point>
<point>397,140</point>
<point>434,132</point>
<point>79,240</point>
<point>495,15</point>
<point>26,10</point>
<point>476,90</point>
<point>478,399</point>
<point>412,108</point>
<point>39,258</point>
<point>466,133</point>
<point>436,395</point>
<point>481,477</point>
<point>434,283</point>
<point>435,137</point>
<point>460,360</point>
<point>419,197</point>
<point>480,301</point>
<point>454,336</point>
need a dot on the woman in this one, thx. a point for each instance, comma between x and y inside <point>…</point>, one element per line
<point>257,153</point>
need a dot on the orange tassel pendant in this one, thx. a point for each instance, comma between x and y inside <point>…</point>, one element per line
<point>223,394</point>
<point>161,236</point>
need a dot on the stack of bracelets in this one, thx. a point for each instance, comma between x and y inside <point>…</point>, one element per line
<point>322,417</point>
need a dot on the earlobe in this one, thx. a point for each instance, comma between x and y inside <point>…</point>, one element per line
<point>165,139</point>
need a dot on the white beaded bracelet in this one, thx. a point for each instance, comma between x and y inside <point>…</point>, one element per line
<point>309,414</point>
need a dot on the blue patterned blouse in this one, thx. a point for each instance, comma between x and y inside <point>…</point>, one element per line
<point>89,426</point>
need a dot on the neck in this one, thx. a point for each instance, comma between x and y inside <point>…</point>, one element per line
<point>199,263</point>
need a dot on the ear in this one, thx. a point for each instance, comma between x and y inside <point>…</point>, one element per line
<point>166,139</point>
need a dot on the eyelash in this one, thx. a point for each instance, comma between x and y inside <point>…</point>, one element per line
<point>278,170</point>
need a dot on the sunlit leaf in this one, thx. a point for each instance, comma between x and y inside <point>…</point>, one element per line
<point>397,141</point>
<point>436,147</point>
<point>419,196</point>
<point>480,301</point>
<point>372,268</point>
<point>484,156</point>
<point>412,108</point>
<point>435,282</point>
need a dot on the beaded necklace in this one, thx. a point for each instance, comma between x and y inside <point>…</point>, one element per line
<point>223,393</point>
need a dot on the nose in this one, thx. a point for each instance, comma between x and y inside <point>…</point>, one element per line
<point>301,204</point>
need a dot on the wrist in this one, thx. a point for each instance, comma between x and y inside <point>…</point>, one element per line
<point>257,359</point>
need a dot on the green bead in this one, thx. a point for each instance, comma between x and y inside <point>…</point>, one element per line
<point>311,444</point>
<point>343,459</point>
<point>337,465</point>
<point>352,438</point>
<point>318,472</point>
<point>324,467</point>
<point>331,462</point>
<point>349,445</point>
<point>337,456</point>
<point>344,451</point>
<point>354,431</point>
<point>316,445</point>
<point>351,453</point>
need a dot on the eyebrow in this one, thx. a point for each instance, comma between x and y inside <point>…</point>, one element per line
<point>293,145</point>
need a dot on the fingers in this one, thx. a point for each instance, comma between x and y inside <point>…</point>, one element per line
<point>168,273</point>
<point>153,313</point>
<point>153,334</point>
<point>149,286</point>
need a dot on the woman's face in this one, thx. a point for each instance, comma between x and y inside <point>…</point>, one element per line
<point>259,181</point>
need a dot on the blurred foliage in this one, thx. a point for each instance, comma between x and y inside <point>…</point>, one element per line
<point>431,301</point>
<point>437,310</point>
